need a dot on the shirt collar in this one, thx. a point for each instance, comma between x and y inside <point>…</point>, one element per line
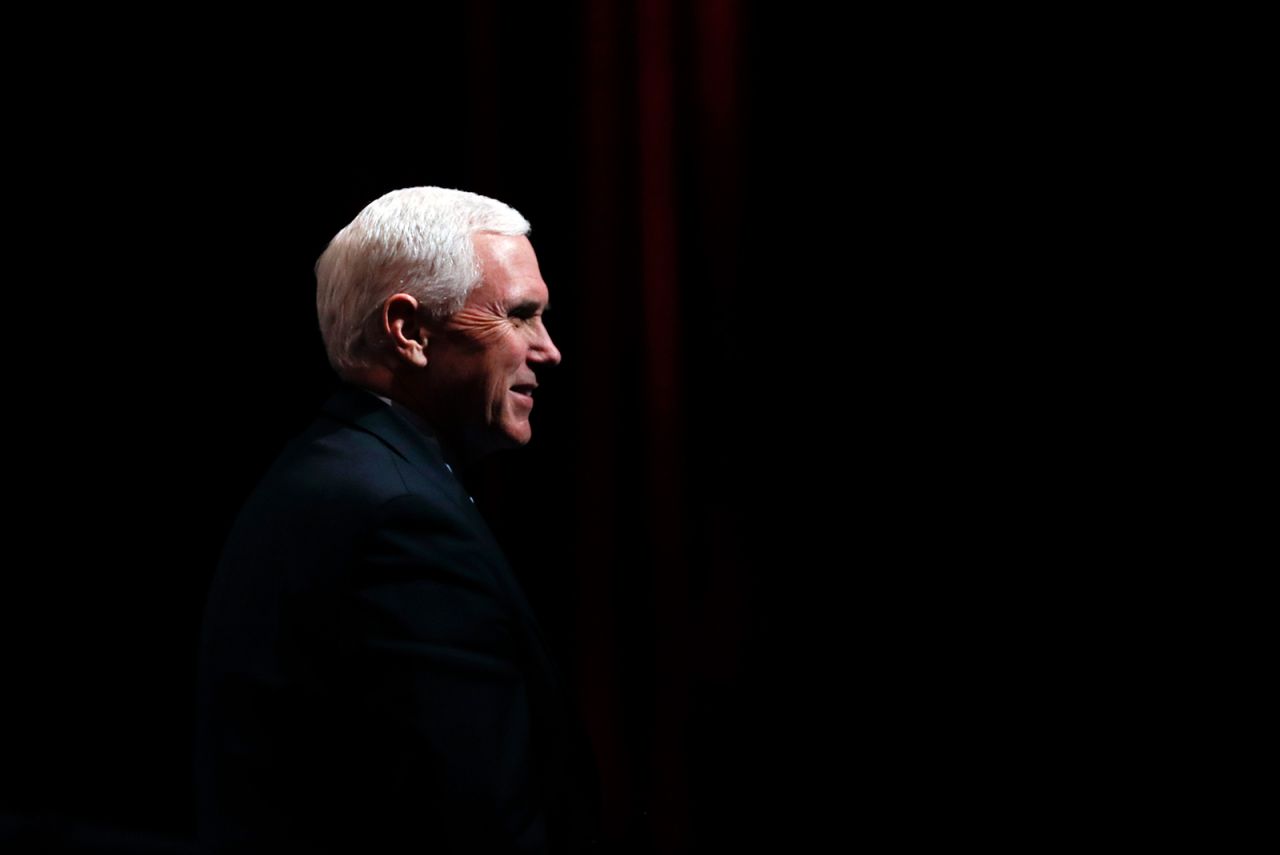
<point>418,422</point>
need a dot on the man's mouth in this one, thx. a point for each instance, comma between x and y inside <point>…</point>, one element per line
<point>525,389</point>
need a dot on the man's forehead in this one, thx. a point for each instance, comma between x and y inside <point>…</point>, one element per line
<point>507,250</point>
<point>517,294</point>
<point>509,270</point>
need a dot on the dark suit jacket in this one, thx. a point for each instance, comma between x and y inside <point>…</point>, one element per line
<point>372,679</point>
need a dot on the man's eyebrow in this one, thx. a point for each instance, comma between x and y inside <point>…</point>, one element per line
<point>530,306</point>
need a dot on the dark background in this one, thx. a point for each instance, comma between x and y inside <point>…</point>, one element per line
<point>854,498</point>
<point>836,511</point>
<point>684,168</point>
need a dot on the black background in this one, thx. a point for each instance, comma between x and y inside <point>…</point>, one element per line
<point>164,348</point>
<point>783,585</point>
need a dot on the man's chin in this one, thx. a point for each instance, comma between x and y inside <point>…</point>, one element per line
<point>518,438</point>
<point>480,444</point>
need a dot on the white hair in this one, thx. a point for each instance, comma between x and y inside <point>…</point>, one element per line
<point>416,241</point>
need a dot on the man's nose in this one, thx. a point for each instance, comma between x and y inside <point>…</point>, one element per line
<point>544,350</point>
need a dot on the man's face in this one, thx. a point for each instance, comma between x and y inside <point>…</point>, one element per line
<point>480,363</point>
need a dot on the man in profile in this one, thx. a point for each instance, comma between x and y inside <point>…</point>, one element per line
<point>372,679</point>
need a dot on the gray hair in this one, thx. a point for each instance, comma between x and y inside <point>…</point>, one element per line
<point>416,241</point>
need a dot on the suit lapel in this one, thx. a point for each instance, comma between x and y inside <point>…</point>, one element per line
<point>423,450</point>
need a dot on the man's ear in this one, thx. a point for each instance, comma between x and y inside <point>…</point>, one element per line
<point>404,323</point>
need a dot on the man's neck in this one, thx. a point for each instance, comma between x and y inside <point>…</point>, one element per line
<point>451,454</point>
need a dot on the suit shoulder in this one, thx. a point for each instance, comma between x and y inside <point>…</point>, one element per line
<point>328,488</point>
<point>335,462</point>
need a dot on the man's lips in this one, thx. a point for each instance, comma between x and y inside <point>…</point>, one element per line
<point>525,391</point>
